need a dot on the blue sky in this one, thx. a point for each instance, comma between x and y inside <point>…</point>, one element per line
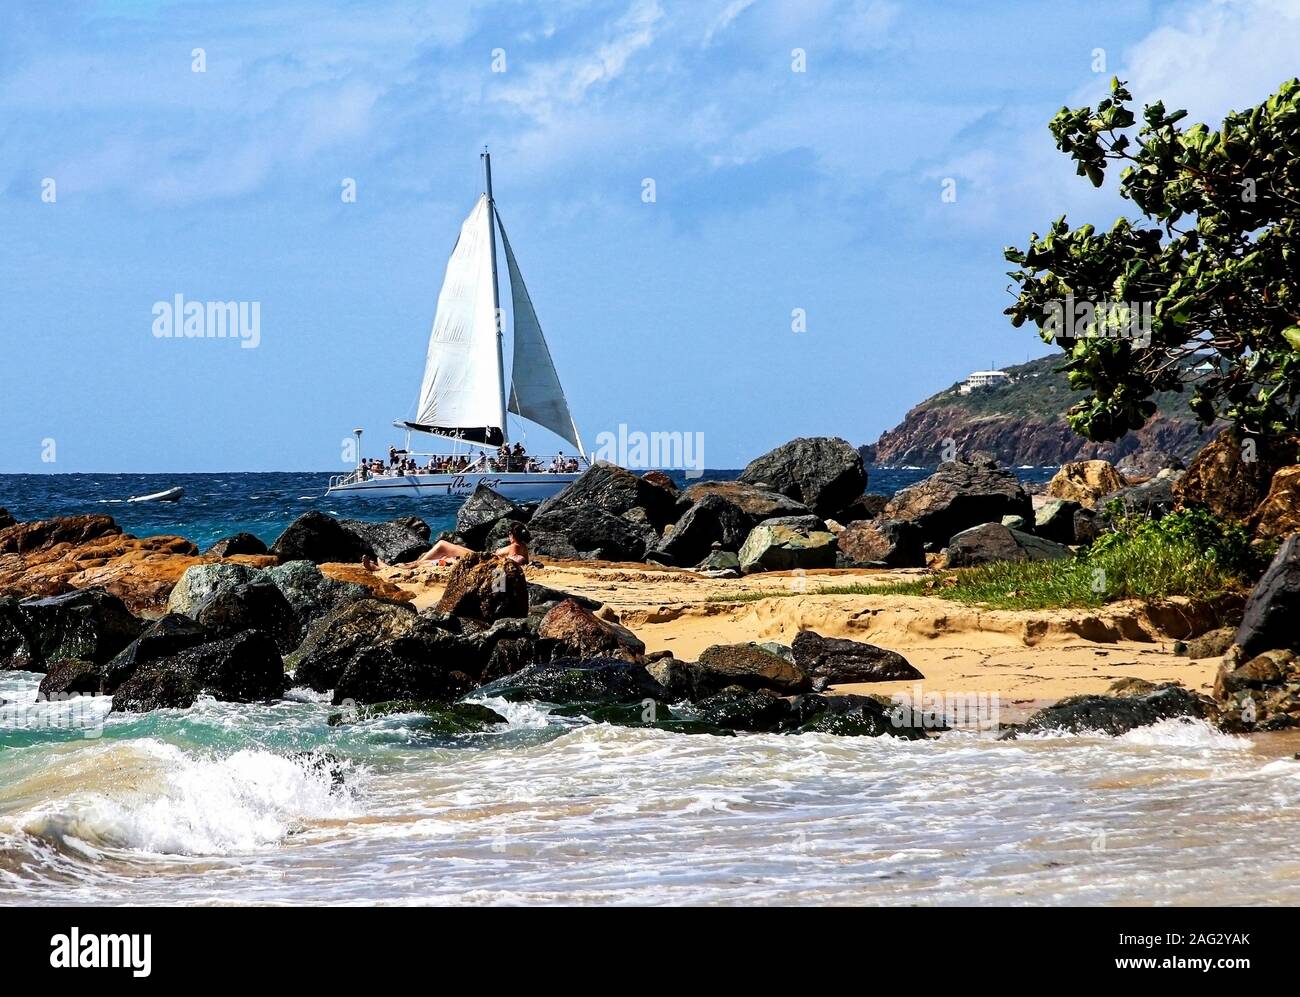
<point>775,190</point>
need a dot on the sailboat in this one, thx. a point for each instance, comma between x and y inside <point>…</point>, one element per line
<point>463,396</point>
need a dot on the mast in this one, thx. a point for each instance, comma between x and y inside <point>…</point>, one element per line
<point>496,288</point>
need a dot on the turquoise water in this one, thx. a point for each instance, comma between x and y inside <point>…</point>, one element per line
<point>229,804</point>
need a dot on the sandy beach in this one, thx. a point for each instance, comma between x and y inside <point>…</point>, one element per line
<point>1028,658</point>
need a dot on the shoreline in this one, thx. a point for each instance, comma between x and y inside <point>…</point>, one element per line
<point>1028,658</point>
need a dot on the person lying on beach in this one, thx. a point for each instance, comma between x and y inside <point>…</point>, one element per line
<point>444,552</point>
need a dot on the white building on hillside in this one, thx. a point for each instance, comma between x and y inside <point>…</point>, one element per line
<point>984,379</point>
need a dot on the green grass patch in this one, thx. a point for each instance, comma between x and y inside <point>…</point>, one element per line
<point>1190,553</point>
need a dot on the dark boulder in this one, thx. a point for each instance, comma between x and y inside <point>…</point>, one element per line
<point>1115,715</point>
<point>487,588</point>
<point>311,593</point>
<point>542,598</point>
<point>850,716</point>
<point>824,473</point>
<point>19,647</point>
<point>1269,620</point>
<point>254,606</point>
<point>245,668</point>
<point>334,639</point>
<point>377,674</point>
<point>748,666</point>
<point>319,538</point>
<point>589,530</point>
<point>483,510</point>
<point>613,490</point>
<point>156,687</point>
<point>835,661</point>
<point>711,520</point>
<point>753,502</point>
<point>960,494</point>
<point>1153,498</point>
<point>160,639</point>
<point>238,543</point>
<point>890,543</point>
<point>740,708</point>
<point>1065,521</point>
<point>990,543</point>
<point>869,506</point>
<point>393,542</point>
<point>72,678</point>
<point>86,625</point>
<point>6,519</point>
<point>578,680</point>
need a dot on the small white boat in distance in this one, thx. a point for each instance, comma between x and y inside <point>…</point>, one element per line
<point>463,397</point>
<point>170,495</point>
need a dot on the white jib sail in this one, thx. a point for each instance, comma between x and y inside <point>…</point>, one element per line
<point>535,391</point>
<point>462,386</point>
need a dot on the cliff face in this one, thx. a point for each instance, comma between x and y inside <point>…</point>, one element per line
<point>1024,423</point>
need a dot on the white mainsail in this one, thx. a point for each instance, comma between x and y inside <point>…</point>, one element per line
<point>535,391</point>
<point>461,392</point>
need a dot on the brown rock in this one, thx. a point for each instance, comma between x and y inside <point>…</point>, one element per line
<point>1231,477</point>
<point>380,588</point>
<point>1278,515</point>
<point>894,542</point>
<point>588,635</point>
<point>1085,482</point>
<point>43,534</point>
<point>484,587</point>
<point>751,667</point>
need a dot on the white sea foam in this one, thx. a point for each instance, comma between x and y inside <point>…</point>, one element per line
<point>183,804</point>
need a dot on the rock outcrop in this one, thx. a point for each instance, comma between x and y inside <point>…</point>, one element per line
<point>993,542</point>
<point>960,494</point>
<point>831,661</point>
<point>1086,482</point>
<point>1270,618</point>
<point>486,588</point>
<point>1231,477</point>
<point>782,545</point>
<point>824,473</point>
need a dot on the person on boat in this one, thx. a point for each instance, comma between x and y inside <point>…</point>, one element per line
<point>557,465</point>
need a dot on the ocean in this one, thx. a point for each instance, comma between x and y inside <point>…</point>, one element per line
<point>216,505</point>
<point>236,804</point>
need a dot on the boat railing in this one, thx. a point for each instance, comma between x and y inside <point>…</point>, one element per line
<point>431,463</point>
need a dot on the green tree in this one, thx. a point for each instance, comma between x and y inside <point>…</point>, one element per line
<point>1214,258</point>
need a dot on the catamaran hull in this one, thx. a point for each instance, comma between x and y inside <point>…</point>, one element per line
<point>519,487</point>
